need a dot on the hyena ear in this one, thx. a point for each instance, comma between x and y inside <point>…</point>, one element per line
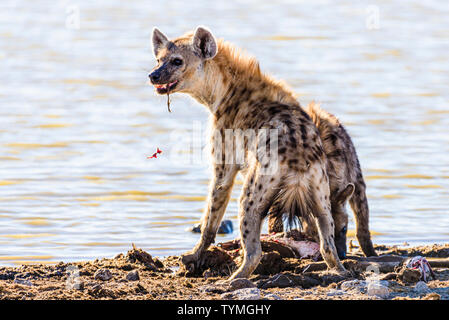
<point>204,43</point>
<point>344,195</point>
<point>159,40</point>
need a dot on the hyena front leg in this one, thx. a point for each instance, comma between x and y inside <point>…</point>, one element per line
<point>219,194</point>
<point>257,195</point>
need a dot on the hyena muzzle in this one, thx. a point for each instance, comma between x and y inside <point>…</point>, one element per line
<point>242,98</point>
<point>345,182</point>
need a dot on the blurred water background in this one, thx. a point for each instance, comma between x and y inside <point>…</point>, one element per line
<point>77,117</point>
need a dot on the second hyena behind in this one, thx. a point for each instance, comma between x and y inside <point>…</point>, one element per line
<point>345,182</point>
<point>240,97</point>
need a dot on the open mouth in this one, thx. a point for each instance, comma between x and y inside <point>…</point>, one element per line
<point>165,88</point>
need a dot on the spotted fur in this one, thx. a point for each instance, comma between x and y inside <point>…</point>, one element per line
<point>241,97</point>
<point>345,182</point>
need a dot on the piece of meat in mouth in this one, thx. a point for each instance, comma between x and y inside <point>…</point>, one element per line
<point>165,88</point>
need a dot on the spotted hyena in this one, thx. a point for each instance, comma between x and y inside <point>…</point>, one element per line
<point>240,97</point>
<point>345,183</point>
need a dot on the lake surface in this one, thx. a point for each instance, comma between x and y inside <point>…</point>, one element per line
<point>78,119</point>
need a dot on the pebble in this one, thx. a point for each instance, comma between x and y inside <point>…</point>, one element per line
<point>350,285</point>
<point>226,227</point>
<point>133,275</point>
<point>421,288</point>
<point>408,275</point>
<point>241,284</point>
<point>242,294</point>
<point>103,274</point>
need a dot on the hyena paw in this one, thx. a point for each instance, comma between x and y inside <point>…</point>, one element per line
<point>341,271</point>
<point>345,273</point>
<point>191,261</point>
<point>370,252</point>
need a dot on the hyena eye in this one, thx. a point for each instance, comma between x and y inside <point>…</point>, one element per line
<point>176,61</point>
<point>343,231</point>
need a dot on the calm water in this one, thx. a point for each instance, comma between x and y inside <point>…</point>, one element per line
<point>77,118</point>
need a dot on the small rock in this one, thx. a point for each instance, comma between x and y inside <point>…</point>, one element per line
<point>376,288</point>
<point>241,284</point>
<point>196,228</point>
<point>242,294</point>
<point>98,291</point>
<point>278,281</point>
<point>225,227</point>
<point>139,256</point>
<point>23,282</point>
<point>358,285</point>
<point>421,288</point>
<point>103,274</point>
<point>133,275</point>
<point>408,275</point>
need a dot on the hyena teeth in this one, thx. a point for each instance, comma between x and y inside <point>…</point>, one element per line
<point>166,86</point>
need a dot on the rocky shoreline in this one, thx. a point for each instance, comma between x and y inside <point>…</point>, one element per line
<point>137,275</point>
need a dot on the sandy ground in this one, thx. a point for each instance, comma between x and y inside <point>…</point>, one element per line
<point>138,275</point>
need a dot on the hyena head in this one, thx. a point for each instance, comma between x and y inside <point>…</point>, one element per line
<point>340,217</point>
<point>180,62</point>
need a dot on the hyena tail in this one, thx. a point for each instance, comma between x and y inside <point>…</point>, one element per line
<point>359,205</point>
<point>297,204</point>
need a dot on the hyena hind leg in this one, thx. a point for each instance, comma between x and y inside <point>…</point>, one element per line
<point>321,211</point>
<point>311,201</point>
<point>257,196</point>
<point>275,220</point>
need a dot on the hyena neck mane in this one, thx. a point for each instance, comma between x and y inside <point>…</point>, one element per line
<point>233,79</point>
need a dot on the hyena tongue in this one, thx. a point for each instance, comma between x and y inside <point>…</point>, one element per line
<point>168,101</point>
